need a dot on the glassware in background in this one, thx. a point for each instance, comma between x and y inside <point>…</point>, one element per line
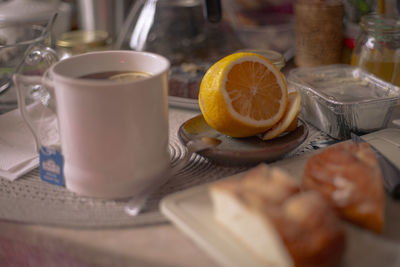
<point>318,32</point>
<point>377,48</point>
<point>353,11</point>
<point>177,29</point>
<point>37,12</point>
<point>181,31</point>
<point>23,49</point>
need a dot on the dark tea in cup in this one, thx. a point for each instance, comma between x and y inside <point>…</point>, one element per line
<point>117,75</point>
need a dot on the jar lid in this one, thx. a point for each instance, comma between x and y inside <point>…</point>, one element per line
<point>83,39</point>
<point>381,23</point>
<point>275,57</point>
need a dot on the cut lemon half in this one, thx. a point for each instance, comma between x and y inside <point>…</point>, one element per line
<point>242,95</point>
<point>289,119</point>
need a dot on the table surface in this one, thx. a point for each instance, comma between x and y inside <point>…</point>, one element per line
<point>162,244</point>
<point>151,245</point>
<point>157,245</point>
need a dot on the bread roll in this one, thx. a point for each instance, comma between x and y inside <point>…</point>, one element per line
<point>265,210</point>
<point>349,177</point>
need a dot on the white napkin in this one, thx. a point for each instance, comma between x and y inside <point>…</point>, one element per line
<point>18,153</point>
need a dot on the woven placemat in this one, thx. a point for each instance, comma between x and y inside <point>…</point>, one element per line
<point>29,200</point>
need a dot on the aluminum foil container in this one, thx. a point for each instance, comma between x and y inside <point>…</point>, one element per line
<point>340,99</point>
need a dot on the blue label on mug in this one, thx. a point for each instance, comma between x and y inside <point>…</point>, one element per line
<point>51,163</point>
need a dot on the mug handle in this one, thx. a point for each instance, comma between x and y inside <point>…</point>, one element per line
<point>36,56</point>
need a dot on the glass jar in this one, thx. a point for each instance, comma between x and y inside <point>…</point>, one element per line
<point>78,42</point>
<point>377,48</point>
<point>274,56</point>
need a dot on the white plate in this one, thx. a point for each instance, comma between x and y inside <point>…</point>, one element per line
<point>191,211</point>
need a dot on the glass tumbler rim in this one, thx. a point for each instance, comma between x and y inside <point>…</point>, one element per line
<point>39,36</point>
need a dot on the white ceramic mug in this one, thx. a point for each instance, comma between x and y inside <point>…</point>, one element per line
<point>114,133</point>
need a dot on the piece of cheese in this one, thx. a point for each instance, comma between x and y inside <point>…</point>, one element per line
<point>265,210</point>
